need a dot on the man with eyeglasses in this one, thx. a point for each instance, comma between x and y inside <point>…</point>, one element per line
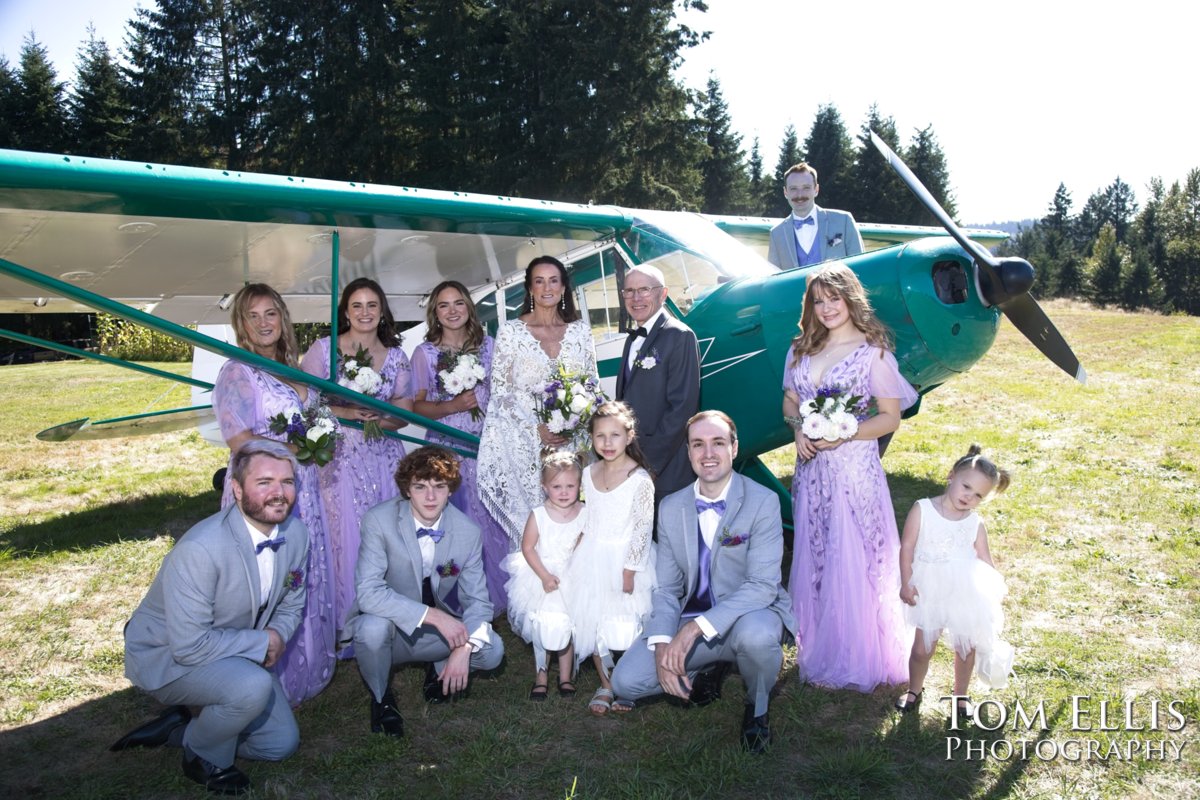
<point>810,234</point>
<point>659,379</point>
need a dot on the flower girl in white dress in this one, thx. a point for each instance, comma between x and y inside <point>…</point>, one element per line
<point>537,609</point>
<point>948,582</point>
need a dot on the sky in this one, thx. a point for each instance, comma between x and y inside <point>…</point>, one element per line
<point>1022,95</point>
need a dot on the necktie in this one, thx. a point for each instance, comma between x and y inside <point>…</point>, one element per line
<point>703,505</point>
<point>274,544</point>
<point>432,533</point>
<point>800,223</point>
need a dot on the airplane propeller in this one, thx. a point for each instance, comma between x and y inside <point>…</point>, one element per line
<point>1002,282</point>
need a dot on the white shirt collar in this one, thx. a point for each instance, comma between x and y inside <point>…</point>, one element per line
<point>650,323</point>
<point>812,214</point>
<point>257,536</point>
<point>724,492</point>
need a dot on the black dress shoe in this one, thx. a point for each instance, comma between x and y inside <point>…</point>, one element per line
<point>385,718</point>
<point>221,780</point>
<point>433,689</point>
<point>756,732</point>
<point>706,686</point>
<point>156,732</point>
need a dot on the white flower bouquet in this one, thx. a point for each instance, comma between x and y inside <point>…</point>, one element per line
<point>460,372</point>
<point>356,372</point>
<point>832,415</point>
<point>314,432</point>
<point>568,400</point>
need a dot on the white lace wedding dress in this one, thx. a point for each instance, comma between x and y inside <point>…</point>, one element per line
<point>510,481</point>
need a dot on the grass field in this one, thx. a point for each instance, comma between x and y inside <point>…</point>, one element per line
<point>1099,539</point>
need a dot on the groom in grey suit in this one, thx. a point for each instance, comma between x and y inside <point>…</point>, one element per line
<point>217,617</point>
<point>659,379</point>
<point>810,234</point>
<point>422,595</point>
<point>718,597</point>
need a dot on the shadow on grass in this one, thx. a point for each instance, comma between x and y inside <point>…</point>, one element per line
<point>140,518</point>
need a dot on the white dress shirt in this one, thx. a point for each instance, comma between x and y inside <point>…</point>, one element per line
<point>806,234</point>
<point>636,350</point>
<point>265,559</point>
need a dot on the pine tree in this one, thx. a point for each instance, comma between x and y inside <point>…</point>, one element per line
<point>1105,266</point>
<point>99,113</point>
<point>1181,227</point>
<point>9,91</point>
<point>39,117</point>
<point>927,161</point>
<point>161,88</point>
<point>724,173</point>
<point>878,193</point>
<point>774,203</point>
<point>754,169</point>
<point>829,149</point>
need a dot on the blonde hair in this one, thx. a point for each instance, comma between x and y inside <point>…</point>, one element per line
<point>560,461</point>
<point>838,280</point>
<point>287,351</point>
<point>974,459</point>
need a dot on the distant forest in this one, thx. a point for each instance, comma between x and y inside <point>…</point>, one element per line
<point>557,99</point>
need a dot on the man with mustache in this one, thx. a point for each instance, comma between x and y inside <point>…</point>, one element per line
<point>216,619</point>
<point>811,234</point>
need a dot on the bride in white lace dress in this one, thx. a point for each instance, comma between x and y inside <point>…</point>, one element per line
<point>528,350</point>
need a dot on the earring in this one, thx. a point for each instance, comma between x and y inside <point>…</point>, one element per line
<point>563,303</point>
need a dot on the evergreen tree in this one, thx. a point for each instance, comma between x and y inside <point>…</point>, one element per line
<point>829,150</point>
<point>1104,284</point>
<point>774,203</point>
<point>1181,227</point>
<point>927,161</point>
<point>754,170</point>
<point>724,174</point>
<point>1054,232</point>
<point>1122,207</point>
<point>39,118</point>
<point>9,91</point>
<point>1070,276</point>
<point>99,113</point>
<point>878,193</point>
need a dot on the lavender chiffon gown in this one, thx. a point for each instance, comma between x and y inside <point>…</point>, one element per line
<point>466,499</point>
<point>845,577</point>
<point>361,475</point>
<point>245,399</point>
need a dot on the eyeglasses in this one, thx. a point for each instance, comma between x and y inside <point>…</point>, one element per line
<point>641,293</point>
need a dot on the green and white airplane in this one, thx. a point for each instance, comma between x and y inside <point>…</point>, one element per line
<point>167,247</point>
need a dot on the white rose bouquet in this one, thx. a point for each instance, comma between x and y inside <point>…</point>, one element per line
<point>832,415</point>
<point>356,372</point>
<point>314,431</point>
<point>459,372</point>
<point>567,401</point>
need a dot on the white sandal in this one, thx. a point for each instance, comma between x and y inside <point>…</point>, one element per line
<point>601,701</point>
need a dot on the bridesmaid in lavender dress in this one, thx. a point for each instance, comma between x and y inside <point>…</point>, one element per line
<point>845,577</point>
<point>452,326</point>
<point>244,399</point>
<point>362,472</point>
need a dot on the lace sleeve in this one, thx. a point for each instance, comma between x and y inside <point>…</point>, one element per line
<point>642,513</point>
<point>483,391</point>
<point>235,400</point>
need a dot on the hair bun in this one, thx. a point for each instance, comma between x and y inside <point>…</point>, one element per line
<point>974,450</point>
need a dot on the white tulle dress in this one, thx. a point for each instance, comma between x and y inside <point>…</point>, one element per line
<point>959,594</point>
<point>616,537</point>
<point>528,600</point>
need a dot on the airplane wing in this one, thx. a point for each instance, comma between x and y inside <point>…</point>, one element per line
<point>755,232</point>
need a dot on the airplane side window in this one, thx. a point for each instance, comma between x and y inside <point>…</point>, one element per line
<point>950,282</point>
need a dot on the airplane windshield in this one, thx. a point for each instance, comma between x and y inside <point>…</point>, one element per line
<point>694,255</point>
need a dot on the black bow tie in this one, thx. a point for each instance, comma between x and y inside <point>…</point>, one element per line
<point>274,544</point>
<point>638,332</point>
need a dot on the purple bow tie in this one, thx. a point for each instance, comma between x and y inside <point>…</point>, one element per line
<point>800,223</point>
<point>432,533</point>
<point>703,505</point>
<point>274,544</point>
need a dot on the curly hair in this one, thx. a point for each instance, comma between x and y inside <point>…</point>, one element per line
<point>567,311</point>
<point>386,330</point>
<point>840,281</point>
<point>287,351</point>
<point>429,463</point>
<point>433,328</point>
<point>975,459</point>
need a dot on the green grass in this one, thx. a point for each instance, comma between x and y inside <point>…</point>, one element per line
<point>1099,539</point>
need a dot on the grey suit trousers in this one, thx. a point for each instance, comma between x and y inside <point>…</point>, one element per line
<point>244,712</point>
<point>379,645</point>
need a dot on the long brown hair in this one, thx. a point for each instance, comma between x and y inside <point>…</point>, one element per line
<point>433,328</point>
<point>287,351</point>
<point>841,281</point>
<point>386,330</point>
<point>623,414</point>
<point>566,310</point>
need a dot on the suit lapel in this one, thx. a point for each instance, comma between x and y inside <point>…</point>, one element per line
<point>651,337</point>
<point>691,528</point>
<point>733,504</point>
<point>407,536</point>
<point>235,526</point>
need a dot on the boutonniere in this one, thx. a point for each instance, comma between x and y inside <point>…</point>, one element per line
<point>448,570</point>
<point>648,361</point>
<point>294,579</point>
<point>834,241</point>
<point>728,539</point>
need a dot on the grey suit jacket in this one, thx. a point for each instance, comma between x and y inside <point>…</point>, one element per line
<point>663,399</point>
<point>744,577</point>
<point>203,604</point>
<point>388,575</point>
<point>836,231</point>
